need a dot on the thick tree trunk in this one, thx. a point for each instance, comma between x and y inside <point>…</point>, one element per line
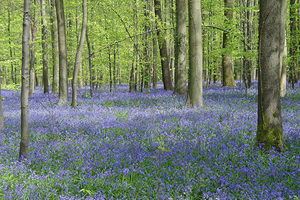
<point>227,63</point>
<point>32,51</point>
<point>271,32</point>
<point>55,50</point>
<point>79,53</point>
<point>180,48</point>
<point>44,47</point>
<point>195,97</point>
<point>63,81</point>
<point>283,66</point>
<point>23,154</point>
<point>163,51</point>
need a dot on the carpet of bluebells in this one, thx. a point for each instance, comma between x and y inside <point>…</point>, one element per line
<point>146,145</point>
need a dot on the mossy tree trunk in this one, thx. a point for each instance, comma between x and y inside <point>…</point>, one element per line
<point>271,34</point>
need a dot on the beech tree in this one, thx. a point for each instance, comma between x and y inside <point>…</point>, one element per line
<point>25,82</point>
<point>78,54</point>
<point>195,96</point>
<point>63,78</point>
<point>45,47</point>
<point>227,63</point>
<point>271,34</point>
<point>180,48</point>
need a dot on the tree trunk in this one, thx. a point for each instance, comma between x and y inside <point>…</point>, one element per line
<point>10,46</point>
<point>163,51</point>
<point>92,78</point>
<point>63,81</point>
<point>194,97</point>
<point>154,52</point>
<point>146,73</point>
<point>293,42</point>
<point>180,48</point>
<point>32,51</point>
<point>227,64</point>
<point>23,154</point>
<point>44,47</point>
<point>1,110</point>
<point>271,34</point>
<point>55,50</point>
<point>283,66</point>
<point>78,54</point>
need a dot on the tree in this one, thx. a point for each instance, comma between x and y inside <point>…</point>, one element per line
<point>166,76</point>
<point>1,109</point>
<point>45,47</point>
<point>32,50</point>
<point>194,97</point>
<point>271,34</point>
<point>180,48</point>
<point>55,50</point>
<point>227,63</point>
<point>25,82</point>
<point>78,54</point>
<point>63,81</point>
<point>294,41</point>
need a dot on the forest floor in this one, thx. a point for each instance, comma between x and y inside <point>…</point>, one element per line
<point>146,145</point>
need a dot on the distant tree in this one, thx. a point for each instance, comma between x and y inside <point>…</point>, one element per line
<point>79,53</point>
<point>25,82</point>
<point>1,109</point>
<point>227,63</point>
<point>63,81</point>
<point>195,97</point>
<point>45,46</point>
<point>162,43</point>
<point>180,48</point>
<point>55,50</point>
<point>294,42</point>
<point>271,34</point>
<point>32,72</point>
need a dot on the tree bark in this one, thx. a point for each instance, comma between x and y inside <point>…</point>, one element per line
<point>44,47</point>
<point>195,96</point>
<point>55,50</point>
<point>79,53</point>
<point>32,51</point>
<point>227,63</point>
<point>180,48</point>
<point>63,81</point>
<point>23,154</point>
<point>271,32</point>
<point>163,51</point>
<point>92,78</point>
<point>293,42</point>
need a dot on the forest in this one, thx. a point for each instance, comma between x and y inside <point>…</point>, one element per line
<point>149,99</point>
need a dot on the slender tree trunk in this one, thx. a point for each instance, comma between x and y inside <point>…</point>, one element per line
<point>55,50</point>
<point>45,47</point>
<point>10,45</point>
<point>163,51</point>
<point>147,83</point>
<point>180,48</point>
<point>114,68</point>
<point>92,78</point>
<point>23,154</point>
<point>110,71</point>
<point>195,96</point>
<point>32,50</point>
<point>63,81</point>
<point>227,64</point>
<point>79,53</point>
<point>271,34</point>
<point>1,110</point>
<point>154,52</point>
<point>293,42</point>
